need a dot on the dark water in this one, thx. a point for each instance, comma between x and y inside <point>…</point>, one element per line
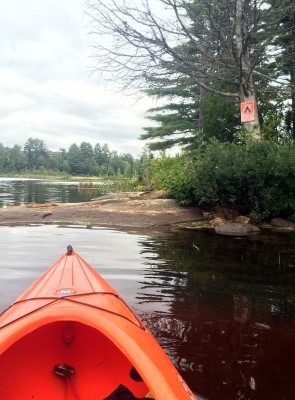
<point>15,191</point>
<point>222,308</point>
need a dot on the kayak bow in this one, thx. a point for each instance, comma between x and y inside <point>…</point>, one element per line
<point>71,336</point>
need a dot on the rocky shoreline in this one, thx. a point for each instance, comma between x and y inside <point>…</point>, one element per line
<point>134,211</point>
<point>126,211</point>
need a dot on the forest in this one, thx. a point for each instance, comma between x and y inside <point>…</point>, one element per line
<point>79,160</point>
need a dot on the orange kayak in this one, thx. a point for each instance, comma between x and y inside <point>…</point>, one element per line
<point>71,336</point>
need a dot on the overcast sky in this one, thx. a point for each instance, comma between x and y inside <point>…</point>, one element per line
<point>46,91</point>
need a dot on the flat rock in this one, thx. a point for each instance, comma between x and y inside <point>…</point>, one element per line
<point>123,210</point>
<point>236,229</point>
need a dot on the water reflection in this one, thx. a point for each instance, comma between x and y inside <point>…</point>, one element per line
<point>229,318</point>
<point>15,191</point>
<point>223,309</point>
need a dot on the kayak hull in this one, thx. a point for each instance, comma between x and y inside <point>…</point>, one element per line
<point>71,336</point>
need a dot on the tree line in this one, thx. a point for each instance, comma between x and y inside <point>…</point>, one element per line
<point>83,159</point>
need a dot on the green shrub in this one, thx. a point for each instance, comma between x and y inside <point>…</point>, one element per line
<point>175,176</point>
<point>257,178</point>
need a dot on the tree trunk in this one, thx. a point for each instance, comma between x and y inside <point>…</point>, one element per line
<point>252,127</point>
<point>247,91</point>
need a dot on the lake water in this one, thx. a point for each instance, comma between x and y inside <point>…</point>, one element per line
<point>15,191</point>
<point>222,308</point>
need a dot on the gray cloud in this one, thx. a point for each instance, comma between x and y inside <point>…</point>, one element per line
<point>45,87</point>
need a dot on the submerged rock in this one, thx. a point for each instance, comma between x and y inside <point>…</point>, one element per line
<point>236,229</point>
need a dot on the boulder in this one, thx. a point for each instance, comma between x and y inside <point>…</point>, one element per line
<point>242,219</point>
<point>283,223</point>
<point>236,229</point>
<point>217,221</point>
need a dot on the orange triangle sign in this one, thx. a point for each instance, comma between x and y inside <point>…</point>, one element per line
<point>247,111</point>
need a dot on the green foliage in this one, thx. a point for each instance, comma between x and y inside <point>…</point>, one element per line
<point>175,176</point>
<point>177,121</point>
<point>221,117</point>
<point>257,178</point>
<point>34,149</point>
<point>79,160</point>
<point>144,168</point>
<point>285,58</point>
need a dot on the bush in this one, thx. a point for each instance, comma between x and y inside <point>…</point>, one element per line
<point>175,176</point>
<point>256,178</point>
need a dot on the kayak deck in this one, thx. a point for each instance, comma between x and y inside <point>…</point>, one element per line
<point>99,366</point>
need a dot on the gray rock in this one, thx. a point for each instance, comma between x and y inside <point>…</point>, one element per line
<point>236,229</point>
<point>282,223</point>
